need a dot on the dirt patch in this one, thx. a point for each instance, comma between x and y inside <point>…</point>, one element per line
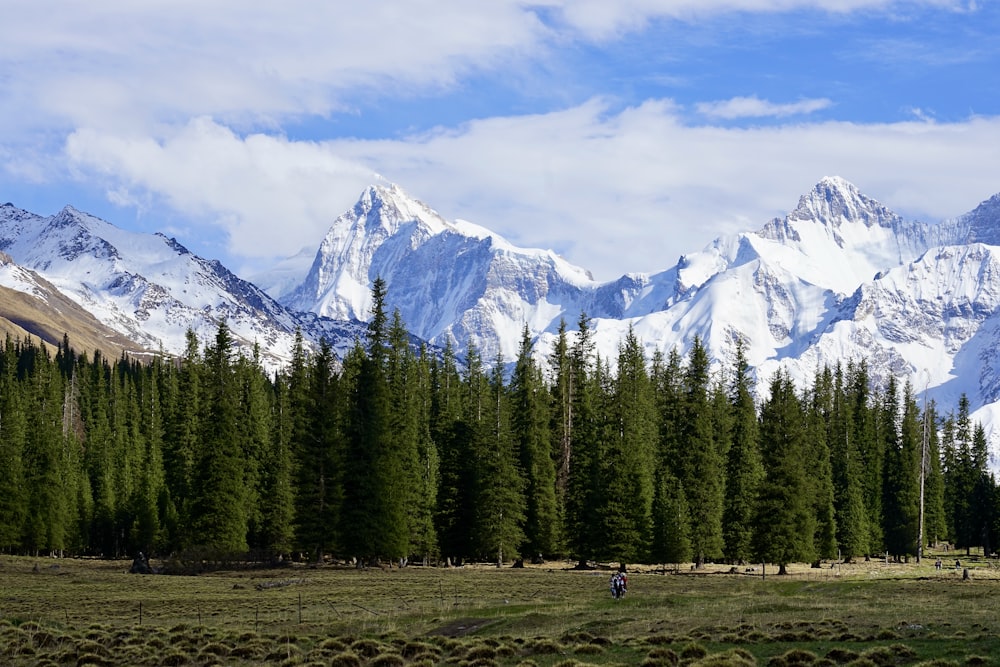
<point>461,627</point>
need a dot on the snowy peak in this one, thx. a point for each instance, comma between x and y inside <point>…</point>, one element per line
<point>390,207</point>
<point>834,201</point>
<point>983,222</point>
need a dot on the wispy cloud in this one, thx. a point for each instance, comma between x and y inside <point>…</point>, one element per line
<point>755,107</point>
<point>636,187</point>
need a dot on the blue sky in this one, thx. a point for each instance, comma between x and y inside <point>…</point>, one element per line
<point>619,134</point>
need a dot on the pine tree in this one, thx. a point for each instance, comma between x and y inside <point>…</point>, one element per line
<point>983,492</point>
<point>151,498</point>
<point>852,519</point>
<point>901,486</point>
<point>48,477</point>
<point>423,530</point>
<point>499,499</point>
<point>744,469</point>
<point>452,434</point>
<point>583,484</point>
<point>530,418</point>
<point>935,517</point>
<point>317,436</point>
<point>629,460</point>
<point>373,519</point>
<point>561,390</point>
<point>13,438</point>
<point>819,468</point>
<point>671,541</point>
<point>785,525</point>
<point>277,530</point>
<point>182,406</point>
<point>702,471</point>
<point>219,500</point>
<point>870,451</point>
<point>408,428</point>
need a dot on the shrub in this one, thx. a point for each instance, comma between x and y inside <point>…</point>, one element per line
<point>693,652</point>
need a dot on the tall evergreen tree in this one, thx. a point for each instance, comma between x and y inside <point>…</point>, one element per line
<point>819,467</point>
<point>530,418</point>
<point>785,524</point>
<point>423,529</point>
<point>583,483</point>
<point>935,517</point>
<point>317,441</point>
<point>702,470</point>
<point>671,541</point>
<point>451,432</point>
<point>901,485</point>
<point>500,482</point>
<point>373,519</point>
<point>852,519</point>
<point>277,530</point>
<point>744,469</point>
<point>13,438</point>
<point>629,460</point>
<point>219,500</point>
<point>561,388</point>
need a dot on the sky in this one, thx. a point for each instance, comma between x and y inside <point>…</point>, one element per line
<point>619,134</point>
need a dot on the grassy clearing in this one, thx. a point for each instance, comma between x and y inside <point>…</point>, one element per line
<point>79,612</point>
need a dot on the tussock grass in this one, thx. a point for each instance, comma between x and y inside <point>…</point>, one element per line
<point>86,612</point>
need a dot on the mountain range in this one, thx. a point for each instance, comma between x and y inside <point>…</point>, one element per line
<point>841,277</point>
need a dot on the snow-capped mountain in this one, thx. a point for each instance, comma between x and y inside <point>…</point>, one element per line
<point>147,287</point>
<point>840,277</point>
<point>450,280</point>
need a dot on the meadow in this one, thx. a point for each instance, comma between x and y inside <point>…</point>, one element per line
<point>92,612</point>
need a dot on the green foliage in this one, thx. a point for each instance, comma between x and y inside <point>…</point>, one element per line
<point>785,523</point>
<point>391,452</point>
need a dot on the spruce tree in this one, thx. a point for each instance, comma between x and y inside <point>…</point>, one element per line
<point>423,530</point>
<point>629,460</point>
<point>701,464</point>
<point>852,519</point>
<point>219,501</point>
<point>671,541</point>
<point>316,429</point>
<point>373,519</point>
<point>277,530</point>
<point>744,469</point>
<point>499,499</point>
<point>901,486</point>
<point>407,427</point>
<point>451,432</point>
<point>530,419</point>
<point>583,483</point>
<point>819,467</point>
<point>785,524</point>
<point>561,389</point>
<point>13,438</point>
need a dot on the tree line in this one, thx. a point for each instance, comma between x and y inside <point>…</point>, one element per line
<point>399,453</point>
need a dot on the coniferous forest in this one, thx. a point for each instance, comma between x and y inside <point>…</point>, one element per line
<point>396,453</point>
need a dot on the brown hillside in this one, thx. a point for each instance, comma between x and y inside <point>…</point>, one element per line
<point>50,317</point>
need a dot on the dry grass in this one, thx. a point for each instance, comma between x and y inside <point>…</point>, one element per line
<point>88,612</point>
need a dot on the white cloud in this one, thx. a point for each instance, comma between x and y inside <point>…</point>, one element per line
<point>109,63</point>
<point>112,64</point>
<point>270,196</point>
<point>754,107</point>
<point>615,191</point>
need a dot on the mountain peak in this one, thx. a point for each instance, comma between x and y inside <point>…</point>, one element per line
<point>387,205</point>
<point>984,222</point>
<point>834,201</point>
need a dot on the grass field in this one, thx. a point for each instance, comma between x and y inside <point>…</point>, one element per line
<point>88,612</point>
